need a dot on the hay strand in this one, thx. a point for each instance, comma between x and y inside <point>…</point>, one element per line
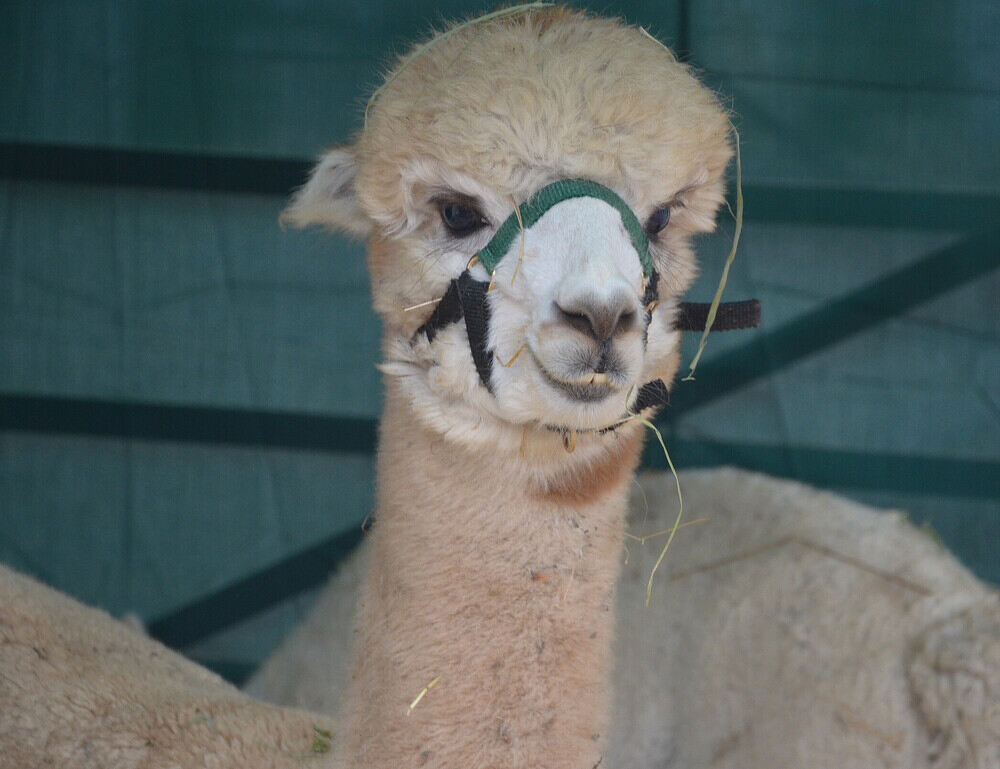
<point>646,537</point>
<point>714,308</point>
<point>428,303</point>
<point>672,531</point>
<point>658,42</point>
<point>520,256</point>
<point>729,260</point>
<point>509,363</point>
<point>680,509</point>
<point>423,692</point>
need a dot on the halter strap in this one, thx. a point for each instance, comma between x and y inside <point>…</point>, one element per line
<point>730,316</point>
<point>539,203</point>
<point>466,299</point>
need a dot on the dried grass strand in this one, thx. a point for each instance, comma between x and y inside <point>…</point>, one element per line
<point>646,537</point>
<point>428,303</point>
<point>423,692</point>
<point>713,309</point>
<point>658,42</point>
<point>520,256</point>
<point>509,363</point>
<point>680,498</point>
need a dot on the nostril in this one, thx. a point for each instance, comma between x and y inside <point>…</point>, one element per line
<point>599,320</point>
<point>578,320</point>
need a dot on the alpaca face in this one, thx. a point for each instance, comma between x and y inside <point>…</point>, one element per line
<point>576,315</point>
<point>565,301</point>
<point>467,133</point>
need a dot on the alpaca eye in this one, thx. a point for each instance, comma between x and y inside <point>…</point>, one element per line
<point>461,219</point>
<point>657,220</point>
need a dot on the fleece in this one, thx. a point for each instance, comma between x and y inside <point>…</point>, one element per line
<point>787,627</point>
<point>81,690</point>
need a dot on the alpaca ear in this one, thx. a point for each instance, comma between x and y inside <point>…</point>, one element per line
<point>329,198</point>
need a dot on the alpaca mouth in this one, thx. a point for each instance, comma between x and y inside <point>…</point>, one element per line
<point>587,387</point>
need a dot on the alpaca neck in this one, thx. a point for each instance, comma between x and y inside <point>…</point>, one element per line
<point>492,576</point>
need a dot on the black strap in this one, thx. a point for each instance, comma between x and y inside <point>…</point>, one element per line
<point>691,316</point>
<point>466,298</point>
<point>654,393</point>
<point>731,316</point>
<point>472,294</point>
<point>652,293</point>
<point>448,311</point>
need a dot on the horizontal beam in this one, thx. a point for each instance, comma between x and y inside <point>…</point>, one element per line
<point>764,355</point>
<point>27,161</point>
<point>187,424</point>
<point>357,435</point>
<point>865,207</point>
<point>829,468</point>
<point>841,469</point>
<point>843,207</point>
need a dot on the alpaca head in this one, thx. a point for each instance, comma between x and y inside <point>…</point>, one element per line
<point>473,132</point>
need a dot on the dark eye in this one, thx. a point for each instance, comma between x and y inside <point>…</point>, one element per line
<point>657,220</point>
<point>461,219</point>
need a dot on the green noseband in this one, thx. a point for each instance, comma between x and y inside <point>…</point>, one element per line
<point>548,196</point>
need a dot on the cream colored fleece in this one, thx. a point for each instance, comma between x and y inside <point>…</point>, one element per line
<point>80,690</point>
<point>793,629</point>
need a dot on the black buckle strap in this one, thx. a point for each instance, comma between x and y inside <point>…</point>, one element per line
<point>465,293</point>
<point>654,393</point>
<point>466,298</point>
<point>731,316</point>
<point>448,311</point>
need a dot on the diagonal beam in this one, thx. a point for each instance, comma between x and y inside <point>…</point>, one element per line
<point>255,593</point>
<point>838,319</point>
<point>237,672</point>
<point>831,468</point>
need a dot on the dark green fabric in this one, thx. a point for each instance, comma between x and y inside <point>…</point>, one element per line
<point>869,135</point>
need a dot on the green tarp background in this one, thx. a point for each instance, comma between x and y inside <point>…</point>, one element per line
<point>871,158</point>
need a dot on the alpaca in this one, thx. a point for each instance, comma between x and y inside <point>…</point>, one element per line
<point>794,628</point>
<point>544,174</point>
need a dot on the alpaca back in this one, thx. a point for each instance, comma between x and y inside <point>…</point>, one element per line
<point>792,628</point>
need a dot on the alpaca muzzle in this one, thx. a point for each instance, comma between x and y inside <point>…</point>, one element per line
<point>466,298</point>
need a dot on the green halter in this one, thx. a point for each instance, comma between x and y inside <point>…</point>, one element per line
<point>548,196</point>
<point>466,297</point>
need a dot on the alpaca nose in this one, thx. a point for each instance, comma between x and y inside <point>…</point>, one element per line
<point>600,317</point>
